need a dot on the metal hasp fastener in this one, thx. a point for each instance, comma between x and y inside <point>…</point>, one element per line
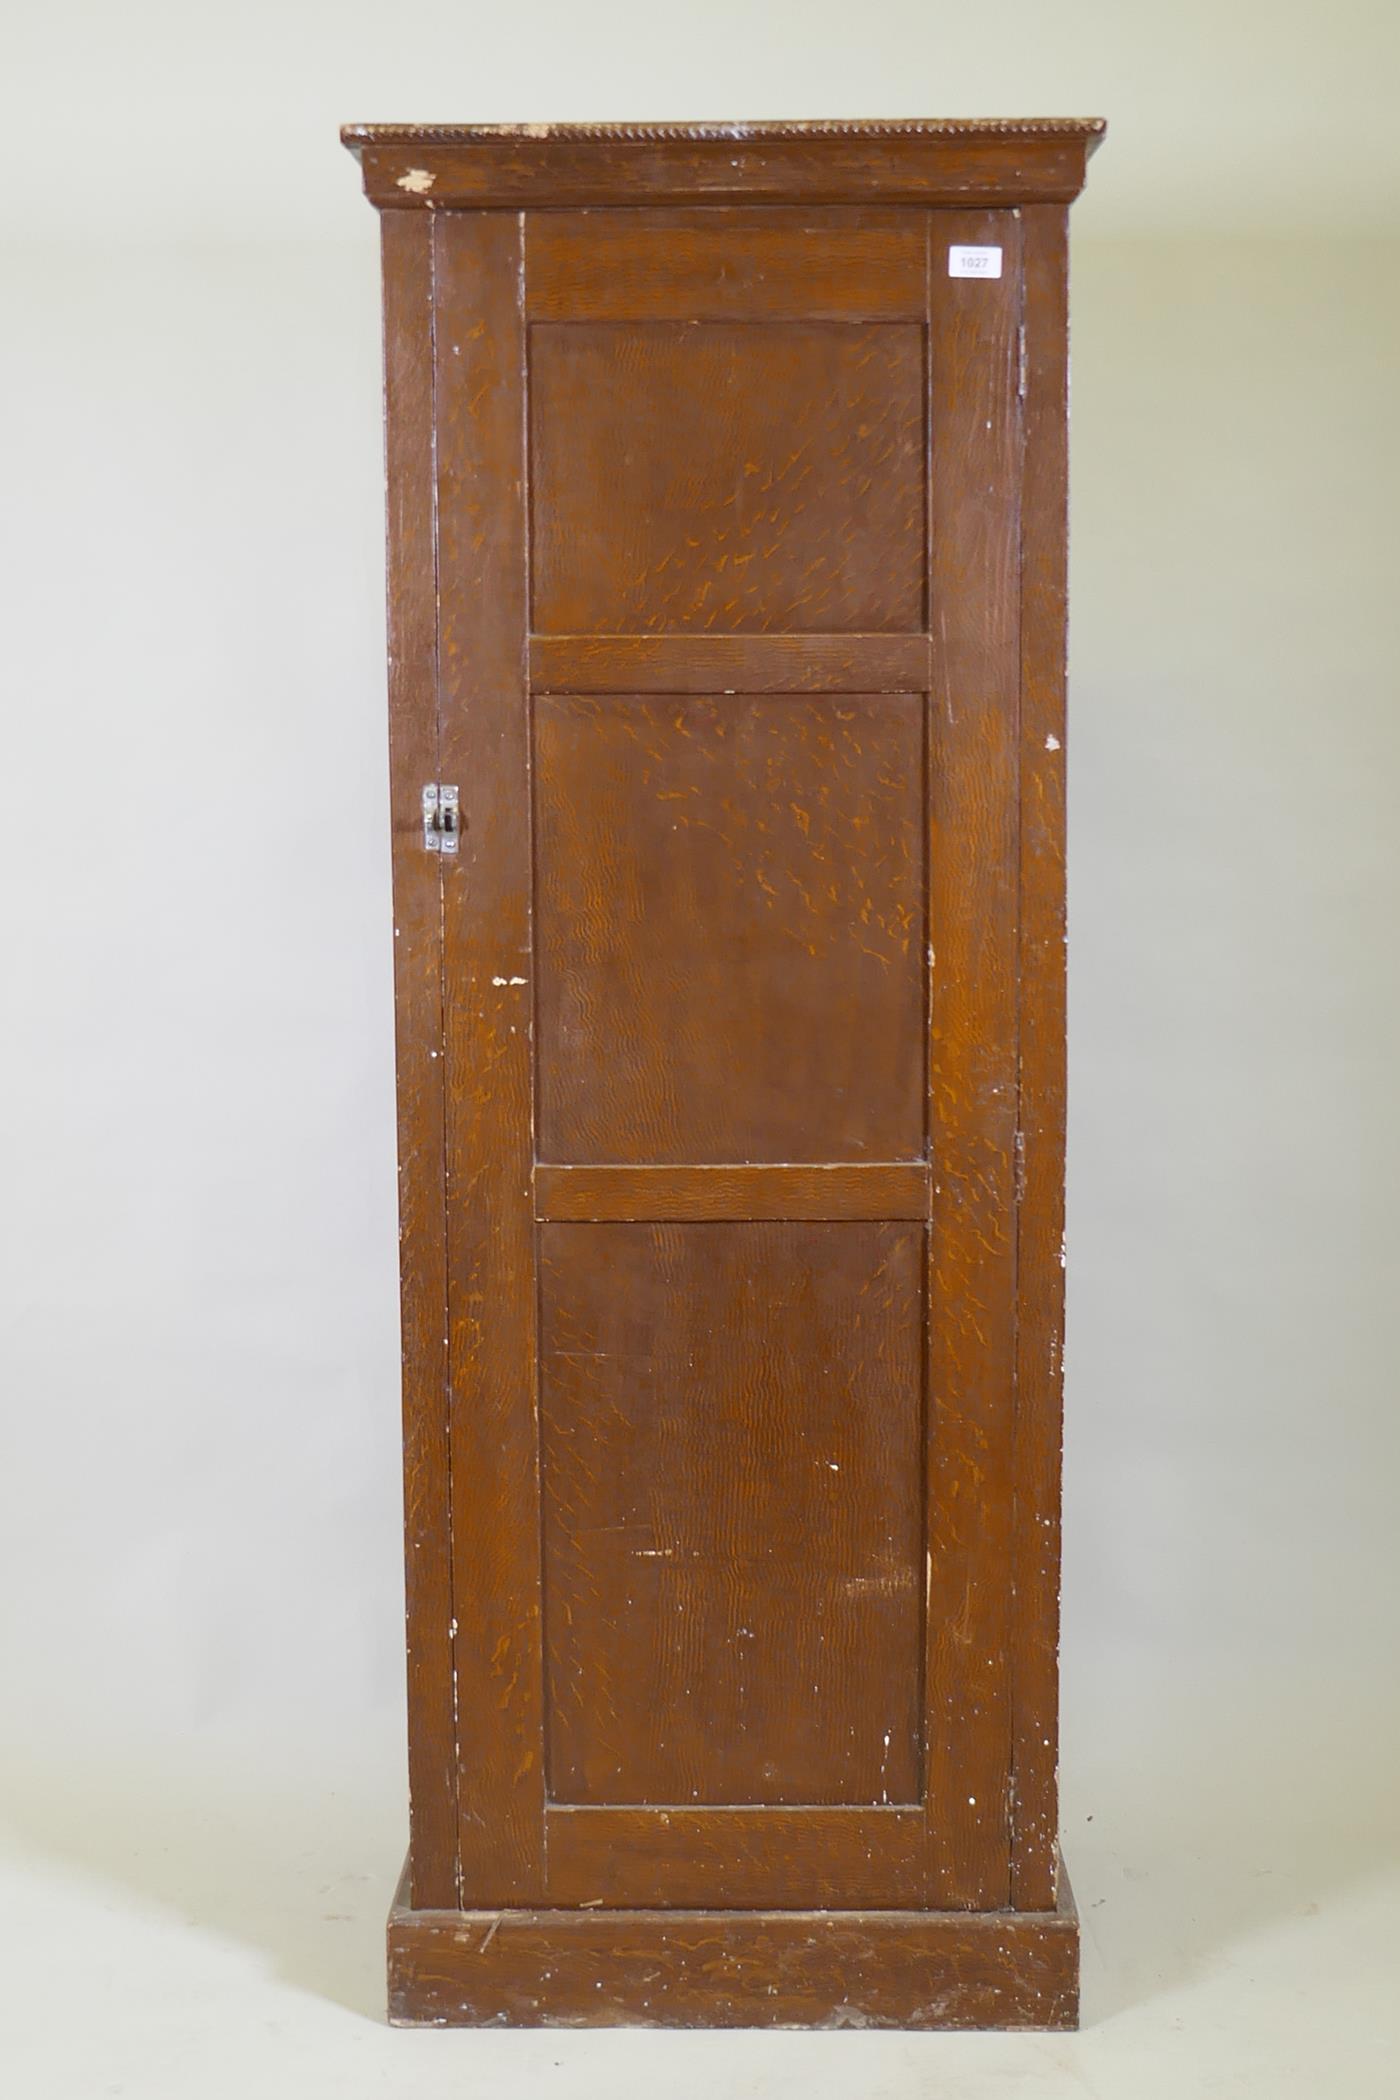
<point>440,821</point>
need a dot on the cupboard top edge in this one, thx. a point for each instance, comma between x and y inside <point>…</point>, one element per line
<point>915,161</point>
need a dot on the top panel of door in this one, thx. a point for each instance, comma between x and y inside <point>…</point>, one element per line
<point>741,404</point>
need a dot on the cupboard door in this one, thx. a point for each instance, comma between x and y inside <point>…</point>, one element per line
<point>727,570</point>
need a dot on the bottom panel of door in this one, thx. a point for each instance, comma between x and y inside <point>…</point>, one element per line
<point>714,1968</point>
<point>733,1481</point>
<point>736,1570</point>
<point>750,1858</point>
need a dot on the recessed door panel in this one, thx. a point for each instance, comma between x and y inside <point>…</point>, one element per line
<point>732,1423</point>
<point>760,477</point>
<point>730,927</point>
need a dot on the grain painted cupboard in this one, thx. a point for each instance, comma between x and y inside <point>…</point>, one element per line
<point>727,631</point>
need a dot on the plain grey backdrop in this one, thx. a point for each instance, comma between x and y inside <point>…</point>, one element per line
<point>200,1635</point>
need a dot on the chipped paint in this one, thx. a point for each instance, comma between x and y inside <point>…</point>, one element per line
<point>417,181</point>
<point>887,1584</point>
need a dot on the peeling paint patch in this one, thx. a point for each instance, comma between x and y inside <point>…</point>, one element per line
<point>1052,742</point>
<point>417,181</point>
<point>507,980</point>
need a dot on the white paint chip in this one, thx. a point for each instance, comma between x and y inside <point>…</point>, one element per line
<point>1052,742</point>
<point>417,181</point>
<point>507,980</point>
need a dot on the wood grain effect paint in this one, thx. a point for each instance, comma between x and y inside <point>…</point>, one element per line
<point>754,479</point>
<point>914,163</point>
<point>750,829</point>
<point>729,663</point>
<point>413,758</point>
<point>874,1189</point>
<point>773,266</point>
<point>747,1858</point>
<point>731,1433</point>
<point>731,928</point>
<point>779,1968</point>
<point>479,363</point>
<point>1040,1255</point>
<point>974,538</point>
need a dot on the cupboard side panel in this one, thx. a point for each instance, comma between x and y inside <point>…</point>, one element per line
<point>1042,1079</point>
<point>485,751</point>
<point>413,757</point>
<point>974,530</point>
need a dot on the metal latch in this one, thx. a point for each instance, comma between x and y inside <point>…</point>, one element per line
<point>441,825</point>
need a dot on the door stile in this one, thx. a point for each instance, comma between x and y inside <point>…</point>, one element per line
<point>479,352</point>
<point>974,568</point>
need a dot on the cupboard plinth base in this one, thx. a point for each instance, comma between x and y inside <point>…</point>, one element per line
<point>732,1968</point>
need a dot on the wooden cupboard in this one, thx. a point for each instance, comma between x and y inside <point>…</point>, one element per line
<point>726,475</point>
